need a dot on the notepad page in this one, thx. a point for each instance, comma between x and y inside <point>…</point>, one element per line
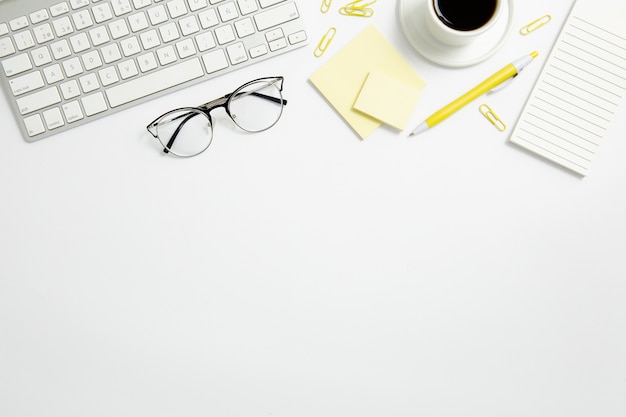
<point>580,88</point>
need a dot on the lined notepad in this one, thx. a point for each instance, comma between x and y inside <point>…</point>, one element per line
<point>579,89</point>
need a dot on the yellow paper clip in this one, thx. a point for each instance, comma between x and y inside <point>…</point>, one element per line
<point>351,11</point>
<point>356,8</point>
<point>535,24</point>
<point>486,111</point>
<point>326,6</point>
<point>325,42</point>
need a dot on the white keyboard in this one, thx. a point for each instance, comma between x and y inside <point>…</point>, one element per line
<point>65,63</point>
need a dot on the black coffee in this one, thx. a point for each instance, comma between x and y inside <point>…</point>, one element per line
<point>465,14</point>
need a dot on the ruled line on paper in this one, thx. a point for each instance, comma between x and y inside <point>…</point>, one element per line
<point>579,89</point>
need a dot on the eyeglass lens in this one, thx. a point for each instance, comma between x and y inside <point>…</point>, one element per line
<point>185,132</point>
<point>257,106</point>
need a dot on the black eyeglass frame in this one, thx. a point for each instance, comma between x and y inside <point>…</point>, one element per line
<point>208,107</point>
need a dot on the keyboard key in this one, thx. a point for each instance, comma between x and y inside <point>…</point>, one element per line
<point>70,89</point>
<point>140,4</point>
<point>80,42</point>
<point>121,7</point>
<point>91,60</point>
<point>94,104</point>
<point>166,55</point>
<point>150,39</point>
<point>39,16</point>
<point>185,48</point>
<point>53,118</point>
<point>89,82</point>
<point>208,19</point>
<point>17,64</point>
<point>215,61</point>
<point>18,23</point>
<point>138,21</point>
<point>108,76</point>
<point>82,20</point>
<point>59,9</point>
<point>237,53</point>
<point>39,100</point>
<point>72,111</point>
<point>258,51</point>
<point>41,56</point>
<point>278,44</point>
<point>111,53</point>
<point>157,14</point>
<point>53,73</point>
<point>272,35</point>
<point>24,40</point>
<point>43,33</point>
<point>247,6</point>
<point>205,41</point>
<point>26,83</point>
<point>61,49</point>
<point>176,8</point>
<point>147,62</point>
<point>99,36</point>
<point>118,29</point>
<point>154,82</point>
<point>297,37</point>
<point>195,5</point>
<point>6,47</point>
<point>127,69</point>
<point>102,12</point>
<point>189,25</point>
<point>276,16</point>
<point>268,3</point>
<point>34,125</point>
<point>72,67</point>
<point>228,11</point>
<point>77,4</point>
<point>169,32</point>
<point>244,27</point>
<point>130,46</point>
<point>63,26</point>
<point>225,34</point>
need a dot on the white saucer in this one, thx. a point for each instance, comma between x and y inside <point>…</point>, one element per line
<point>423,41</point>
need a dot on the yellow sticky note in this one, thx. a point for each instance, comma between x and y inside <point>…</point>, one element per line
<point>387,99</point>
<point>341,78</point>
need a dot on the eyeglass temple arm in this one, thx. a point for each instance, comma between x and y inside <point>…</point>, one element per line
<point>177,131</point>
<point>266,97</point>
<point>270,98</point>
<point>221,101</point>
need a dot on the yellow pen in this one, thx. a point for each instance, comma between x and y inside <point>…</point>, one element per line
<point>489,84</point>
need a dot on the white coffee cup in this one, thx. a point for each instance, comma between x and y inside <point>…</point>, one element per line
<point>453,34</point>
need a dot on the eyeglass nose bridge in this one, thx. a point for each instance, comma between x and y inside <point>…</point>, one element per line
<point>213,104</point>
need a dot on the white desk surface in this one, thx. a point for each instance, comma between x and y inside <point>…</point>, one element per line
<point>303,272</point>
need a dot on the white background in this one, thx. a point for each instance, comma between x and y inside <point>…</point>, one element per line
<point>304,272</point>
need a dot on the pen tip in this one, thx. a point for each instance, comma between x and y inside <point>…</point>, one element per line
<point>534,54</point>
<point>423,127</point>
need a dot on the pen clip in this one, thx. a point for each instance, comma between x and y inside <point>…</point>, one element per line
<point>503,85</point>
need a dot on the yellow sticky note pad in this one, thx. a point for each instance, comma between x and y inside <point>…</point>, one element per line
<point>341,78</point>
<point>387,99</point>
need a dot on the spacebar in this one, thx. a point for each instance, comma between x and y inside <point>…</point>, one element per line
<point>154,82</point>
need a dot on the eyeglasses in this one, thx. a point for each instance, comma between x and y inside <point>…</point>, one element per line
<point>254,107</point>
